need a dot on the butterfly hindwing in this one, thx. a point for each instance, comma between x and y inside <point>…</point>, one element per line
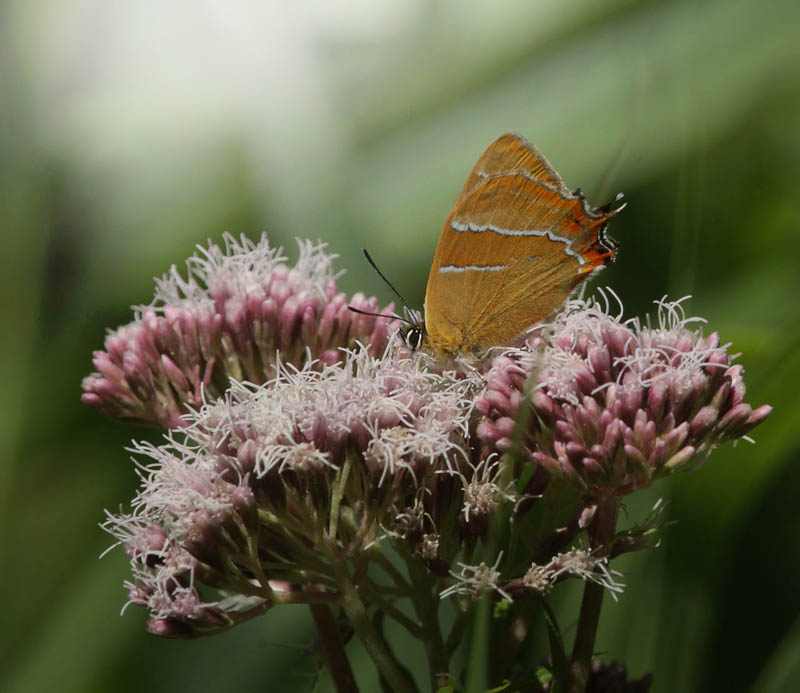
<point>516,242</point>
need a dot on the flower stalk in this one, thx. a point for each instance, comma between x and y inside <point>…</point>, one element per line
<point>333,649</point>
<point>366,632</point>
<point>426,606</point>
<point>580,662</point>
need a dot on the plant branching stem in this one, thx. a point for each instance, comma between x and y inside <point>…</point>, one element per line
<point>373,594</point>
<point>333,649</point>
<point>373,643</point>
<point>600,534</point>
<point>338,494</point>
<point>426,605</point>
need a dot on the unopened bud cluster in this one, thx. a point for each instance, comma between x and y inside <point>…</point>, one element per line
<point>612,405</point>
<point>237,308</point>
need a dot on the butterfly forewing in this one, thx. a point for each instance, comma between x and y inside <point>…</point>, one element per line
<point>509,153</point>
<point>514,245</point>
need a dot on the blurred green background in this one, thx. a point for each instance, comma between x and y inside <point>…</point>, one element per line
<point>129,132</point>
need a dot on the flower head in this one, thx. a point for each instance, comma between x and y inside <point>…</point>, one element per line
<point>302,442</point>
<point>474,580</point>
<point>236,499</point>
<point>611,405</point>
<point>234,311</point>
<point>576,563</point>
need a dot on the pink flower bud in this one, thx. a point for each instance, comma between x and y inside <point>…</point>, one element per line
<point>651,398</point>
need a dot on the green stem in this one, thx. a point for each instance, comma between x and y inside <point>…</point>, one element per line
<point>338,493</point>
<point>333,649</point>
<point>373,594</point>
<point>304,597</point>
<point>600,534</point>
<point>478,666</point>
<point>357,614</point>
<point>589,617</point>
<point>512,636</point>
<point>426,604</point>
<point>397,577</point>
<point>368,523</point>
<point>456,632</point>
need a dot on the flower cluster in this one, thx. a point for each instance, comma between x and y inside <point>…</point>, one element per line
<point>576,563</point>
<point>245,494</point>
<point>613,405</point>
<point>310,455</point>
<point>237,308</point>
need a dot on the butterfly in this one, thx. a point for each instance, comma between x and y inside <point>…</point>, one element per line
<point>514,246</point>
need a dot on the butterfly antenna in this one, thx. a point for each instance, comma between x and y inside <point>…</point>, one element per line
<point>388,283</point>
<point>392,316</point>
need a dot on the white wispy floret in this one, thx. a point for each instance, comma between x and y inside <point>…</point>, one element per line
<point>243,268</point>
<point>474,580</point>
<point>575,562</point>
<point>394,411</point>
<point>219,485</point>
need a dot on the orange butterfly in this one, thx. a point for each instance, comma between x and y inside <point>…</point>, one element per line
<point>515,244</point>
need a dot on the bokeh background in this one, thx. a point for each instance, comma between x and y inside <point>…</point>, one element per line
<point>129,132</point>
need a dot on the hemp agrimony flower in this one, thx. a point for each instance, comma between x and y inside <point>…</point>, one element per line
<point>242,496</point>
<point>615,405</point>
<point>235,310</point>
<point>310,459</point>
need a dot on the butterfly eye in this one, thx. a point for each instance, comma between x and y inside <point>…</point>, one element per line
<point>413,338</point>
